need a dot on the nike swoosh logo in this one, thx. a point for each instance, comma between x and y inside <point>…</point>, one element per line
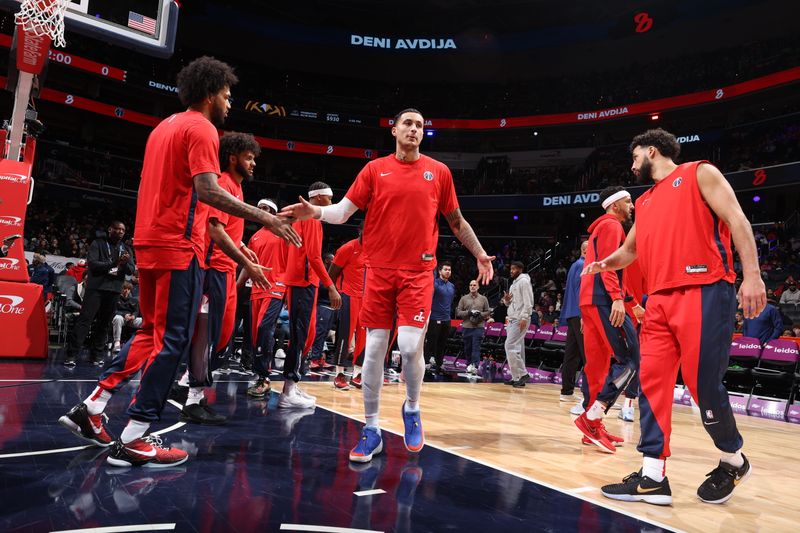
<point>96,429</point>
<point>385,173</point>
<point>151,453</point>
<point>640,490</point>
<point>711,423</point>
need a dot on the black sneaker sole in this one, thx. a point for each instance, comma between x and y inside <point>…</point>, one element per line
<point>654,499</point>
<point>730,495</point>
<point>75,430</point>
<point>201,421</point>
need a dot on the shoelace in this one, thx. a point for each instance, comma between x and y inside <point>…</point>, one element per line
<point>720,474</point>
<point>632,477</point>
<point>154,440</point>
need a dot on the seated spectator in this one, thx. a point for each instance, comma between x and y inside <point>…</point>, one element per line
<point>127,314</point>
<point>791,295</point>
<point>766,326</point>
<point>76,271</point>
<point>738,325</point>
<point>551,315</point>
<point>42,273</point>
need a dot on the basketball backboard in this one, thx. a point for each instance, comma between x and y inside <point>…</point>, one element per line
<point>147,26</point>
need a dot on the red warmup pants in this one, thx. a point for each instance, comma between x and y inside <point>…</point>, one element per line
<point>169,301</point>
<point>612,355</point>
<point>688,328</point>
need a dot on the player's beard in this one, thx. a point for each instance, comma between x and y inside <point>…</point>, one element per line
<point>248,176</point>
<point>645,172</point>
<point>218,116</point>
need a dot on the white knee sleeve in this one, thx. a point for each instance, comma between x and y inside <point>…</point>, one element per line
<point>372,373</point>
<point>410,341</point>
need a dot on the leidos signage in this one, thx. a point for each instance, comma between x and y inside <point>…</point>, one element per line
<point>9,305</point>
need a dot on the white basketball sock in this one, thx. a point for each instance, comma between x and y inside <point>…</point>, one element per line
<point>734,459</point>
<point>195,395</point>
<point>97,400</point>
<point>596,411</point>
<point>184,381</point>
<point>134,430</point>
<point>654,468</point>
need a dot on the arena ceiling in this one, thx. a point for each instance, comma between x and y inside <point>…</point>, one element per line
<point>475,40</point>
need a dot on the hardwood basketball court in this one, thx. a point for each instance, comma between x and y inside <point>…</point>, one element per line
<point>528,432</point>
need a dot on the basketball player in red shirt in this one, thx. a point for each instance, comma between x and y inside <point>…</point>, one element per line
<point>179,182</point>
<point>403,195</point>
<point>347,270</point>
<point>682,239</point>
<point>304,271</point>
<point>608,332</point>
<point>225,249</point>
<point>265,303</point>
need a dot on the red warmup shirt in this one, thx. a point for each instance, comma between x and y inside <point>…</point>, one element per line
<point>170,222</point>
<point>402,202</point>
<point>350,258</point>
<point>606,237</point>
<point>304,265</point>
<point>271,251</point>
<point>680,241</point>
<point>234,227</point>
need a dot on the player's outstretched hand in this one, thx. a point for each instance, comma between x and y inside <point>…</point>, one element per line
<point>255,271</point>
<point>283,229</point>
<point>302,211</point>
<point>594,268</point>
<point>752,296</point>
<point>249,254</point>
<point>485,268</point>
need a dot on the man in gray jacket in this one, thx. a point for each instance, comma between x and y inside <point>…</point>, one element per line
<point>519,300</point>
<point>473,309</point>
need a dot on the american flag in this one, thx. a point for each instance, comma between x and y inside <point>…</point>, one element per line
<point>141,23</point>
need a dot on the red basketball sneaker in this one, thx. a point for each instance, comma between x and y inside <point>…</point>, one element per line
<point>146,451</point>
<point>592,429</point>
<point>88,427</point>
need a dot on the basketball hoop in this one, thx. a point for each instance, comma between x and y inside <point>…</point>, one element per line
<point>43,18</point>
<point>40,22</point>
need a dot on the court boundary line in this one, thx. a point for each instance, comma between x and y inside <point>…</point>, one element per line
<point>525,477</point>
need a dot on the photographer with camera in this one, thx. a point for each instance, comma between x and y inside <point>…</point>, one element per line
<point>473,309</point>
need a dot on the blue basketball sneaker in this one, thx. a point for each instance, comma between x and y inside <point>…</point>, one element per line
<point>414,437</point>
<point>368,445</point>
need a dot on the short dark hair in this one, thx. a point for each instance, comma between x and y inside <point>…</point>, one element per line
<point>445,264</point>
<point>608,191</point>
<point>518,264</point>
<point>127,285</point>
<point>404,111</point>
<point>203,77</point>
<point>318,185</point>
<point>234,143</point>
<point>664,141</point>
<point>116,223</point>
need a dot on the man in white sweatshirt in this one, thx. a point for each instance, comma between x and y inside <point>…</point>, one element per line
<point>519,300</point>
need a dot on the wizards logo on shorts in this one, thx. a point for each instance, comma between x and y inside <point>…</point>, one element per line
<point>428,175</point>
<point>420,317</point>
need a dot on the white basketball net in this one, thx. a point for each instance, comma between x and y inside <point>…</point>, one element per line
<point>43,17</point>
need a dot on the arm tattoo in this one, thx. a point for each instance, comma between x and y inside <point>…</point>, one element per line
<point>209,192</point>
<point>464,233</point>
